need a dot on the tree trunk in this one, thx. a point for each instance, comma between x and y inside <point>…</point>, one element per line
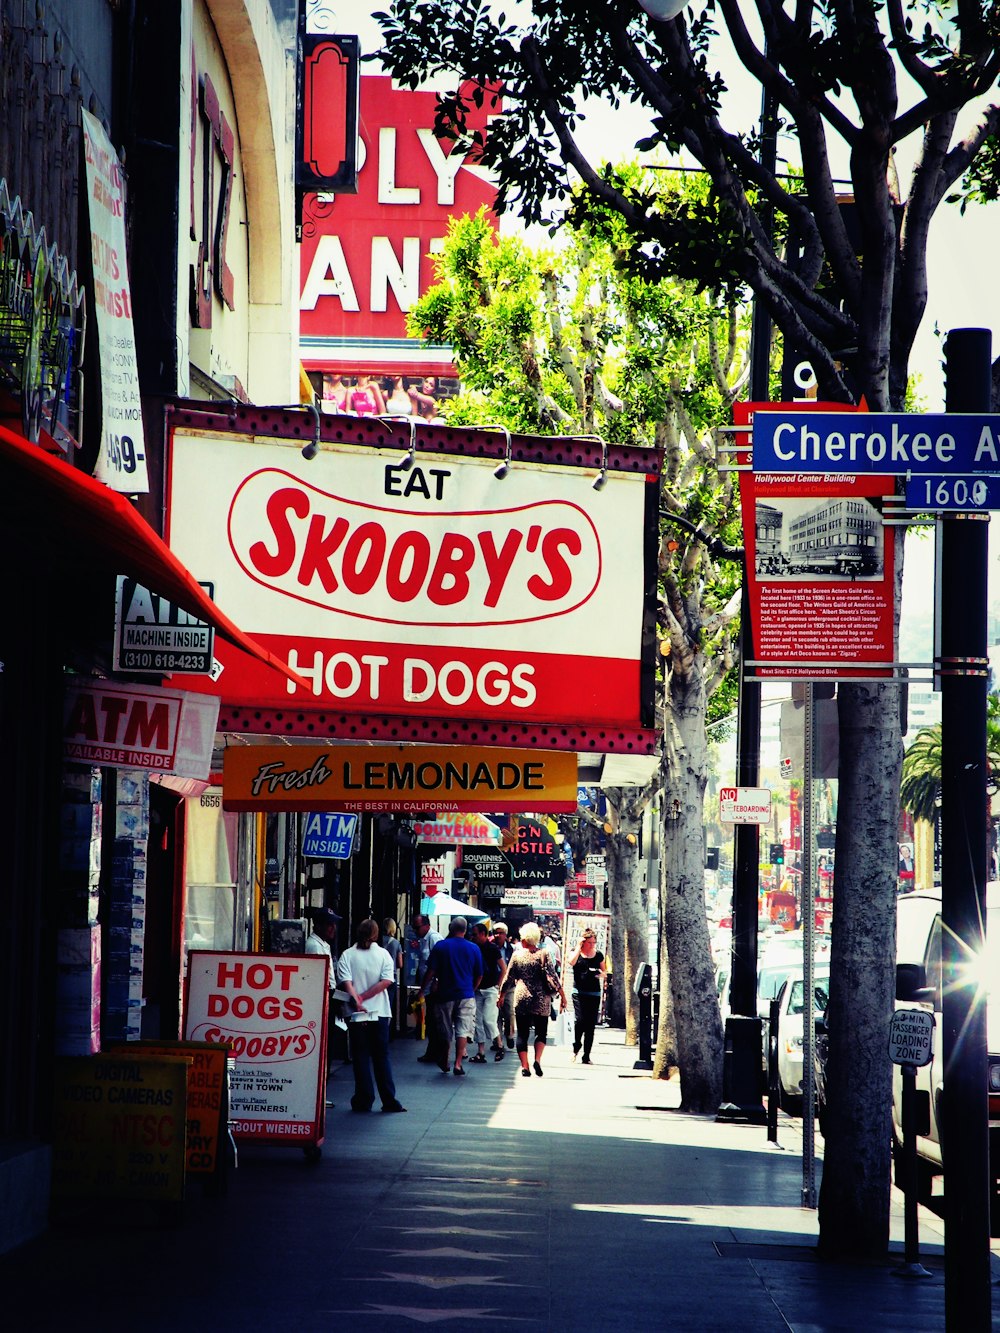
<point>629,919</point>
<point>665,1055</point>
<point>682,906</point>
<point>854,1197</point>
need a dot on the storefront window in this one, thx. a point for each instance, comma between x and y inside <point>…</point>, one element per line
<point>211,874</point>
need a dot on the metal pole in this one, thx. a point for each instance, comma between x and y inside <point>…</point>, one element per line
<point>740,1098</point>
<point>772,1072</point>
<point>807,861</point>
<point>912,1267</point>
<point>746,857</point>
<point>963,668</point>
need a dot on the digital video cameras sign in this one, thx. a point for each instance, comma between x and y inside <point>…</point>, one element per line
<point>438,589</point>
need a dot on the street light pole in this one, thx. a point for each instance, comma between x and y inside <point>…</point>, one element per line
<point>964,669</point>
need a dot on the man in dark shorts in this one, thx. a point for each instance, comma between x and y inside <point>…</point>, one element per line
<point>456,965</point>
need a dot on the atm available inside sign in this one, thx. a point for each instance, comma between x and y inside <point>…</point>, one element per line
<point>745,805</point>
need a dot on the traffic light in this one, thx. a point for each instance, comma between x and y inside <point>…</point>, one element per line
<point>777,853</point>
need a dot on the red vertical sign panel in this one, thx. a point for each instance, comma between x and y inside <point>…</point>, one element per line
<point>820,567</point>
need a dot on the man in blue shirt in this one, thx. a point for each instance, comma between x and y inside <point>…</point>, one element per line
<point>454,969</point>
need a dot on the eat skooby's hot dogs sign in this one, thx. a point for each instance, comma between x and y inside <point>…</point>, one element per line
<point>423,589</point>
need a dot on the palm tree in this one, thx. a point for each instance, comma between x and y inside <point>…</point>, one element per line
<point>920,788</point>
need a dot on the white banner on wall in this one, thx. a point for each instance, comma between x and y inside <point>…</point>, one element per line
<point>121,463</point>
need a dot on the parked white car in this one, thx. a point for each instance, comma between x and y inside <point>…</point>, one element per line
<point>791,1031</point>
<point>919,985</point>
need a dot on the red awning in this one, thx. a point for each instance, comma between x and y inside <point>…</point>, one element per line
<point>115,535</point>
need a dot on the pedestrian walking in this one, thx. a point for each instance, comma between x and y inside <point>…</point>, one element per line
<point>494,968</point>
<point>421,938</point>
<point>589,971</point>
<point>534,979</point>
<point>365,972</point>
<point>454,970</point>
<point>506,1009</point>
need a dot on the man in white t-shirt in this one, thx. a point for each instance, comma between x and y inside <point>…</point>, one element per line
<point>365,971</point>
<point>322,941</point>
<point>323,936</point>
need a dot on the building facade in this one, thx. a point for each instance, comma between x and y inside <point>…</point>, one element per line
<point>146,171</point>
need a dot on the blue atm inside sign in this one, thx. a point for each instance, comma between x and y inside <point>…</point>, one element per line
<point>884,443</point>
<point>328,836</point>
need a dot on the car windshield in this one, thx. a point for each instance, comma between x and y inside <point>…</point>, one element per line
<point>821,994</point>
<point>770,981</point>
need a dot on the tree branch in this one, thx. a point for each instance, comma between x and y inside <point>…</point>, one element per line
<point>769,76</point>
<point>714,545</point>
<point>922,74</point>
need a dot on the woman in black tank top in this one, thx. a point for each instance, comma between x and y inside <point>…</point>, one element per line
<point>589,970</point>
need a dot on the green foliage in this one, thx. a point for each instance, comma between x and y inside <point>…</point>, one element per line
<point>921,782</point>
<point>575,340</point>
<point>860,78</point>
<point>920,788</point>
<point>981,183</point>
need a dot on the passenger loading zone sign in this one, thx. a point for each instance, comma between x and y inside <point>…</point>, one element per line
<point>911,1037</point>
<point>273,1012</point>
<point>426,590</point>
<point>745,805</point>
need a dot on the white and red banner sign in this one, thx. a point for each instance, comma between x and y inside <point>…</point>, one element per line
<point>274,1012</point>
<point>139,726</point>
<point>820,567</point>
<point>438,588</point>
<point>121,462</point>
<point>366,257</point>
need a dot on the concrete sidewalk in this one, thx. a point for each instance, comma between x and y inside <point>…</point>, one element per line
<point>577,1201</point>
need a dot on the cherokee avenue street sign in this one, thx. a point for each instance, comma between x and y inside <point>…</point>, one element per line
<point>745,805</point>
<point>911,1034</point>
<point>886,443</point>
<point>967,494</point>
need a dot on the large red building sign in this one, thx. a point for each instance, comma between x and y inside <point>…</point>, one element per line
<point>365,258</point>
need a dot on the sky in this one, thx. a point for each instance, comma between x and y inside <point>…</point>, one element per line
<point>964,282</point>
<point>963,276</point>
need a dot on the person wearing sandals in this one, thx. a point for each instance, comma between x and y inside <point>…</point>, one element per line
<point>589,971</point>
<point>487,1027</point>
<point>534,980</point>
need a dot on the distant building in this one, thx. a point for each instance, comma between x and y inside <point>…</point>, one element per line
<point>768,522</point>
<point>839,536</point>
